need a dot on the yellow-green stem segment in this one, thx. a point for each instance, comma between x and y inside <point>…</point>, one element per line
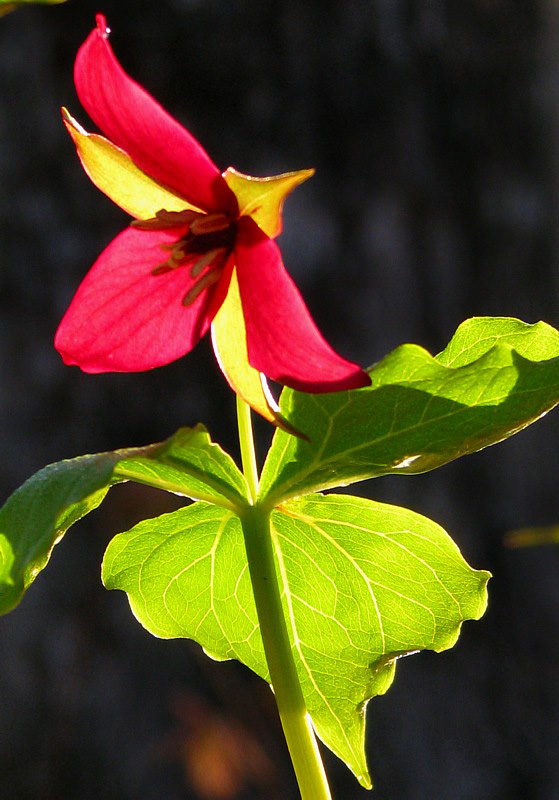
<point>295,720</point>
<point>246,441</point>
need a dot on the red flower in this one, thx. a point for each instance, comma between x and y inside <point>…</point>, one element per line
<point>199,253</point>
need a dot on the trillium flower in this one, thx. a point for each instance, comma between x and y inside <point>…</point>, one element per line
<point>199,253</point>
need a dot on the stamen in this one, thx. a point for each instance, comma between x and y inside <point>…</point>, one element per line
<point>162,269</point>
<point>176,259</point>
<point>208,280</point>
<point>166,219</point>
<point>205,260</point>
<point>204,247</point>
<point>179,252</point>
<point>146,224</point>
<point>178,217</point>
<point>210,223</point>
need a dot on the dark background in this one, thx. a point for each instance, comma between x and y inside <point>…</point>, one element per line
<point>434,129</point>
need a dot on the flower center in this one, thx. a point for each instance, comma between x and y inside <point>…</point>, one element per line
<point>205,247</point>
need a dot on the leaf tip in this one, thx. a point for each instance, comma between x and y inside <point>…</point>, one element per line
<point>365,780</point>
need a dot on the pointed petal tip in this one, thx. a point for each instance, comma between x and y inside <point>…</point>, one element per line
<point>262,198</point>
<point>113,172</point>
<point>72,125</point>
<point>283,340</point>
<point>359,380</point>
<point>354,378</point>
<point>135,122</point>
<point>102,27</point>
<point>281,422</point>
<point>300,174</point>
<point>278,418</point>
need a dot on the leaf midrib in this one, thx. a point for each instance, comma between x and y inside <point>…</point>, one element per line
<point>224,498</point>
<point>296,641</point>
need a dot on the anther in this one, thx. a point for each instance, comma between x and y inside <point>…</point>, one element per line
<point>166,219</point>
<point>210,223</point>
<point>162,269</point>
<point>208,280</point>
<point>176,259</point>
<point>205,260</point>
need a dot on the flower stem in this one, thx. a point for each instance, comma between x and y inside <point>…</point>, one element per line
<point>246,441</point>
<point>295,720</point>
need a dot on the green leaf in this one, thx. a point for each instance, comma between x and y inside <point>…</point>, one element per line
<point>495,377</point>
<point>474,337</point>
<point>11,5</point>
<point>38,514</point>
<point>189,464</point>
<point>187,577</point>
<point>363,583</point>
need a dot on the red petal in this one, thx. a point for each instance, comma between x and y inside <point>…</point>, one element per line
<point>283,341</point>
<point>123,318</point>
<point>134,121</point>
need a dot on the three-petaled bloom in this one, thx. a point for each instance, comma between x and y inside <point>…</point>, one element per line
<point>200,252</point>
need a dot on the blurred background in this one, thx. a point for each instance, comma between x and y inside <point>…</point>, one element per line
<point>434,130</point>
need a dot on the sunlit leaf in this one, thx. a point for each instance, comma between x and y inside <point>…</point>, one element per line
<point>474,337</point>
<point>496,377</point>
<point>38,514</point>
<point>363,583</point>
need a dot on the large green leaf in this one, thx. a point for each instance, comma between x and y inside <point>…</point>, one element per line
<point>474,337</point>
<point>495,377</point>
<point>186,574</point>
<point>363,583</point>
<point>37,515</point>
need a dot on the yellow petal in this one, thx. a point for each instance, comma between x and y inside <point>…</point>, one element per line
<point>112,171</point>
<point>262,198</point>
<point>230,347</point>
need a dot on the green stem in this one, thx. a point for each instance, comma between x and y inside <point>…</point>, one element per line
<point>295,720</point>
<point>248,456</point>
